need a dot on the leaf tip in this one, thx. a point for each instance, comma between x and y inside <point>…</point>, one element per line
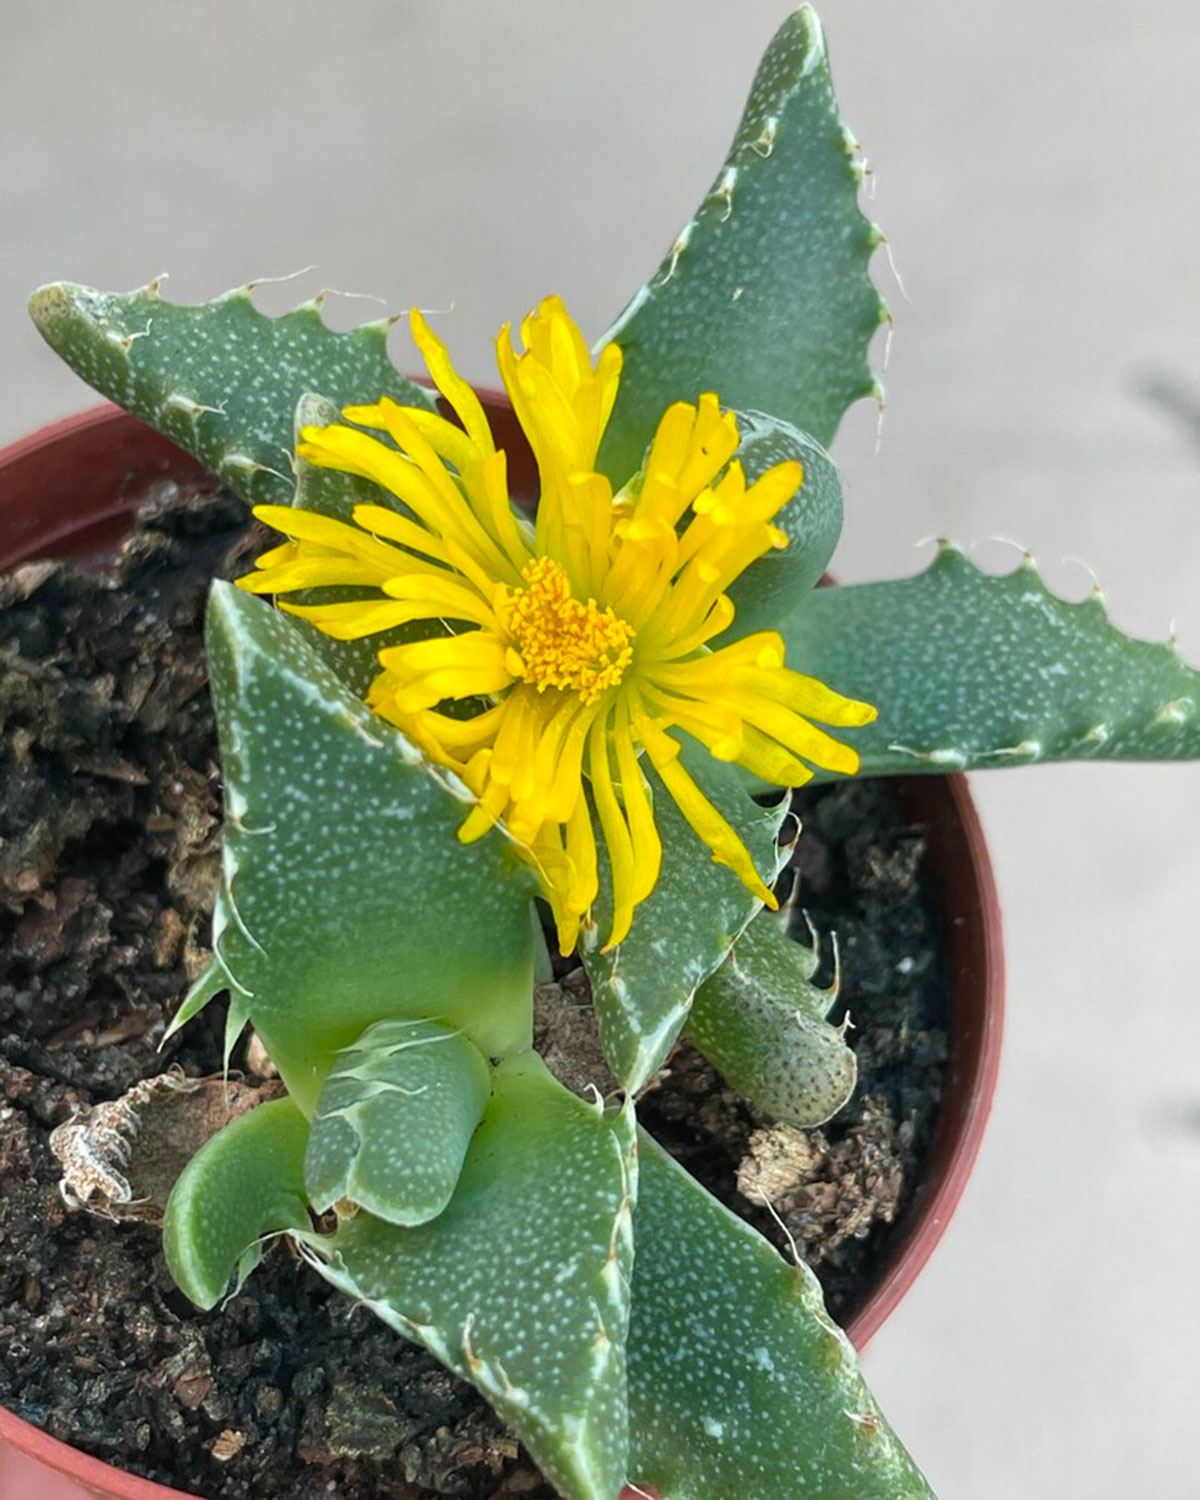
<point>54,306</point>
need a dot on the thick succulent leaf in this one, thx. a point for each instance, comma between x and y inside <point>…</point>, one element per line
<point>764,296</point>
<point>220,378</point>
<point>761,1020</point>
<point>394,1121</point>
<point>970,670</point>
<point>765,957</point>
<point>643,988</point>
<point>522,1285</point>
<point>773,586</point>
<point>347,898</point>
<point>246,1182</point>
<point>739,1382</point>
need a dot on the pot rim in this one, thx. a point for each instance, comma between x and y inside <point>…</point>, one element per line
<point>92,469</point>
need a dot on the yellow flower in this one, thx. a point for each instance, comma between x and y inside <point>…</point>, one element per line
<point>584,640</point>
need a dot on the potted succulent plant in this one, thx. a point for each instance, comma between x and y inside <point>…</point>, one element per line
<point>81,479</point>
<point>458,709</point>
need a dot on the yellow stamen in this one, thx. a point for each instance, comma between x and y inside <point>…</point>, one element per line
<point>562,642</point>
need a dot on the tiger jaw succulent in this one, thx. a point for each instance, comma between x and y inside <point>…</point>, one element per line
<point>411,760</point>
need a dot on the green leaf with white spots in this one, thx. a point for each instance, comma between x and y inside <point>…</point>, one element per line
<point>521,1285</point>
<point>970,670</point>
<point>739,1381</point>
<point>244,1183</point>
<point>761,1020</point>
<point>771,588</point>
<point>394,1121</point>
<point>643,988</point>
<point>219,378</point>
<point>347,897</point>
<point>765,296</point>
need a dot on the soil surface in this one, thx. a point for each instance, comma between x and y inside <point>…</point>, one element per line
<point>109,852</point>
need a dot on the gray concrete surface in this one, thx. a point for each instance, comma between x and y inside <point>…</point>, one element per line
<point>1037,172</point>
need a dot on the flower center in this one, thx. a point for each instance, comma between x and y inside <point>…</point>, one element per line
<point>563,643</point>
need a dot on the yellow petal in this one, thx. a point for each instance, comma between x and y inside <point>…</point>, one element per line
<point>493,798</point>
<point>309,569</point>
<point>581,853</point>
<point>380,521</point>
<point>451,384</point>
<point>444,597</point>
<point>708,824</point>
<point>812,698</point>
<point>338,536</point>
<point>635,795</point>
<point>616,838</point>
<point>353,621</point>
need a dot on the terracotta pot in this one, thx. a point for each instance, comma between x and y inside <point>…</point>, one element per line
<point>69,490</point>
